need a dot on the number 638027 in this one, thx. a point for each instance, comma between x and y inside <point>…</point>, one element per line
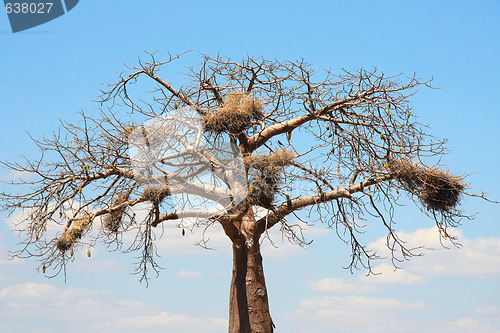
<point>28,7</point>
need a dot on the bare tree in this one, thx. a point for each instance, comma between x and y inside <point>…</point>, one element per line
<point>339,147</point>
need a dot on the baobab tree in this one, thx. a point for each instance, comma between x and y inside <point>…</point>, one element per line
<point>248,145</point>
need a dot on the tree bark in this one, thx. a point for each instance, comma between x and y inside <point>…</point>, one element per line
<point>248,306</point>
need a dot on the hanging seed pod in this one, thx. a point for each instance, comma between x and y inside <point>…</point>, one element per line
<point>19,204</point>
<point>60,214</point>
<point>43,269</point>
<point>88,253</point>
<point>183,232</point>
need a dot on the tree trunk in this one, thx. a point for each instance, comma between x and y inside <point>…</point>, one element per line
<point>248,306</point>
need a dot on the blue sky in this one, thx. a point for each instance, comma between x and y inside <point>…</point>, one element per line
<point>51,71</point>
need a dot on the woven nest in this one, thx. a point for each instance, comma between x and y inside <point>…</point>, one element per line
<point>155,194</point>
<point>438,190</point>
<point>113,220</point>
<point>235,115</point>
<point>277,159</point>
<point>71,235</point>
<point>262,188</point>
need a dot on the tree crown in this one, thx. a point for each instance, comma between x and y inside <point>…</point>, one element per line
<point>273,138</point>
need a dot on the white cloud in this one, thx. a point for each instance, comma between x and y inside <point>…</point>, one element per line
<point>30,307</point>
<point>14,175</point>
<point>187,274</point>
<point>352,313</point>
<point>167,322</point>
<point>380,315</point>
<point>478,257</point>
<point>334,304</point>
<point>387,274</point>
<point>488,310</point>
<point>341,286</point>
<point>426,238</point>
<point>362,284</point>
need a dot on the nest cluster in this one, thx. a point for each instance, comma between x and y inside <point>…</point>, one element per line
<point>71,235</point>
<point>438,190</point>
<point>113,220</point>
<point>262,188</point>
<point>235,115</point>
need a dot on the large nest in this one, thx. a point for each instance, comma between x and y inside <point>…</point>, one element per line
<point>156,194</point>
<point>72,234</point>
<point>262,188</point>
<point>235,115</point>
<point>277,159</point>
<point>438,190</point>
<point>113,220</point>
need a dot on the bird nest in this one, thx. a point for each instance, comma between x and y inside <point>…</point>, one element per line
<point>156,194</point>
<point>72,234</point>
<point>277,159</point>
<point>113,220</point>
<point>438,190</point>
<point>235,115</point>
<point>262,188</point>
